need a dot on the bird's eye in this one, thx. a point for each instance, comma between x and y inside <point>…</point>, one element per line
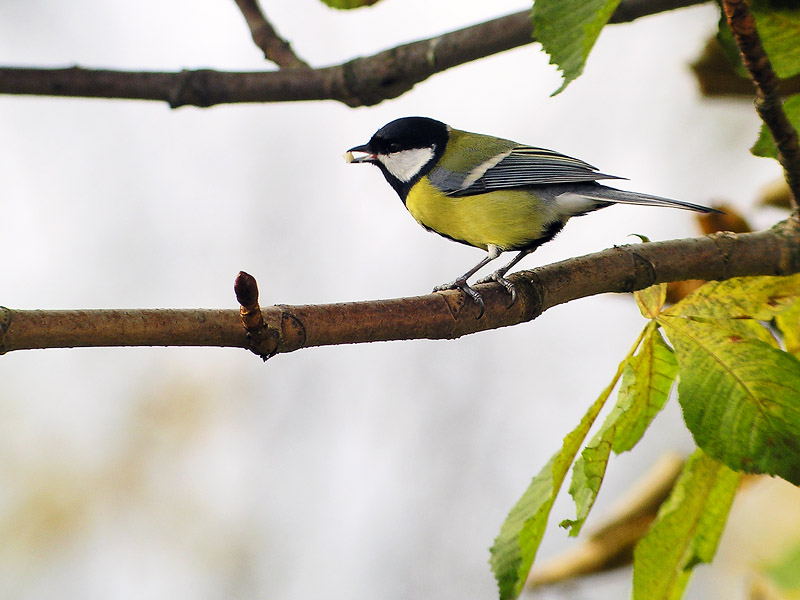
<point>394,147</point>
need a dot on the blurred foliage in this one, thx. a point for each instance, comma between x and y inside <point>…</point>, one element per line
<point>729,219</point>
<point>146,488</point>
<point>776,194</point>
<point>785,572</point>
<point>347,4</point>
<point>719,73</point>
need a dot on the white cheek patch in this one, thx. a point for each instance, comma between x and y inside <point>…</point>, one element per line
<point>406,163</point>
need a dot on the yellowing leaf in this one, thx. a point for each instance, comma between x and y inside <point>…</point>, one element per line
<point>651,300</point>
<point>515,547</point>
<point>645,388</point>
<point>741,297</point>
<point>788,323</point>
<point>347,4</point>
<point>646,380</point>
<point>686,531</point>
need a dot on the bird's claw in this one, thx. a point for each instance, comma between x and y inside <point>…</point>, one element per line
<point>497,277</point>
<point>461,284</point>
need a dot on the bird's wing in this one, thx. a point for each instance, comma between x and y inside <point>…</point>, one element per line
<point>519,166</point>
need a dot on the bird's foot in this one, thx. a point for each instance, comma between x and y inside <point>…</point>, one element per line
<point>461,284</point>
<point>498,277</point>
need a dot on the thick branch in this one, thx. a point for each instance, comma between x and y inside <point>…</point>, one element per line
<point>359,82</point>
<point>445,315</point>
<point>274,47</point>
<point>768,100</point>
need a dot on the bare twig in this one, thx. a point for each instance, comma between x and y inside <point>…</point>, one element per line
<point>359,82</point>
<point>768,100</point>
<point>275,48</point>
<point>445,315</point>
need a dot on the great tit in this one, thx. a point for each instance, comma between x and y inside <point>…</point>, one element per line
<point>488,192</point>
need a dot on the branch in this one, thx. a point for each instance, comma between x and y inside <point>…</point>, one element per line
<point>275,48</point>
<point>360,82</point>
<point>768,100</point>
<point>444,315</point>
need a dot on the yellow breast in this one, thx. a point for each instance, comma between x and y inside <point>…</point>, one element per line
<point>509,219</point>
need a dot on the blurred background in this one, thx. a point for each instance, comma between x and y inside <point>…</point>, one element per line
<point>381,470</point>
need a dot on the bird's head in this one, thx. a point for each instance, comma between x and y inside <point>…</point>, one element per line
<point>404,150</point>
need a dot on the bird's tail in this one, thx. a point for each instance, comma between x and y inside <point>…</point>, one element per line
<point>604,194</point>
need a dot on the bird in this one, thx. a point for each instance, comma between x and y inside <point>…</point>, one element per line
<point>489,192</point>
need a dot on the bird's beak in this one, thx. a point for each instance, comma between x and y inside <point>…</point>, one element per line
<point>368,156</point>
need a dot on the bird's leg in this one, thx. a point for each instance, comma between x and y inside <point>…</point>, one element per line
<point>461,282</point>
<point>499,276</point>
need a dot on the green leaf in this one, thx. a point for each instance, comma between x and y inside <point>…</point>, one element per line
<point>651,300</point>
<point>646,380</point>
<point>765,146</point>
<point>515,547</point>
<point>785,572</point>
<point>347,4</point>
<point>568,30</point>
<point>645,388</point>
<point>686,531</point>
<point>778,23</point>
<point>788,323</point>
<point>587,475</point>
<point>740,397</point>
<point>741,297</point>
